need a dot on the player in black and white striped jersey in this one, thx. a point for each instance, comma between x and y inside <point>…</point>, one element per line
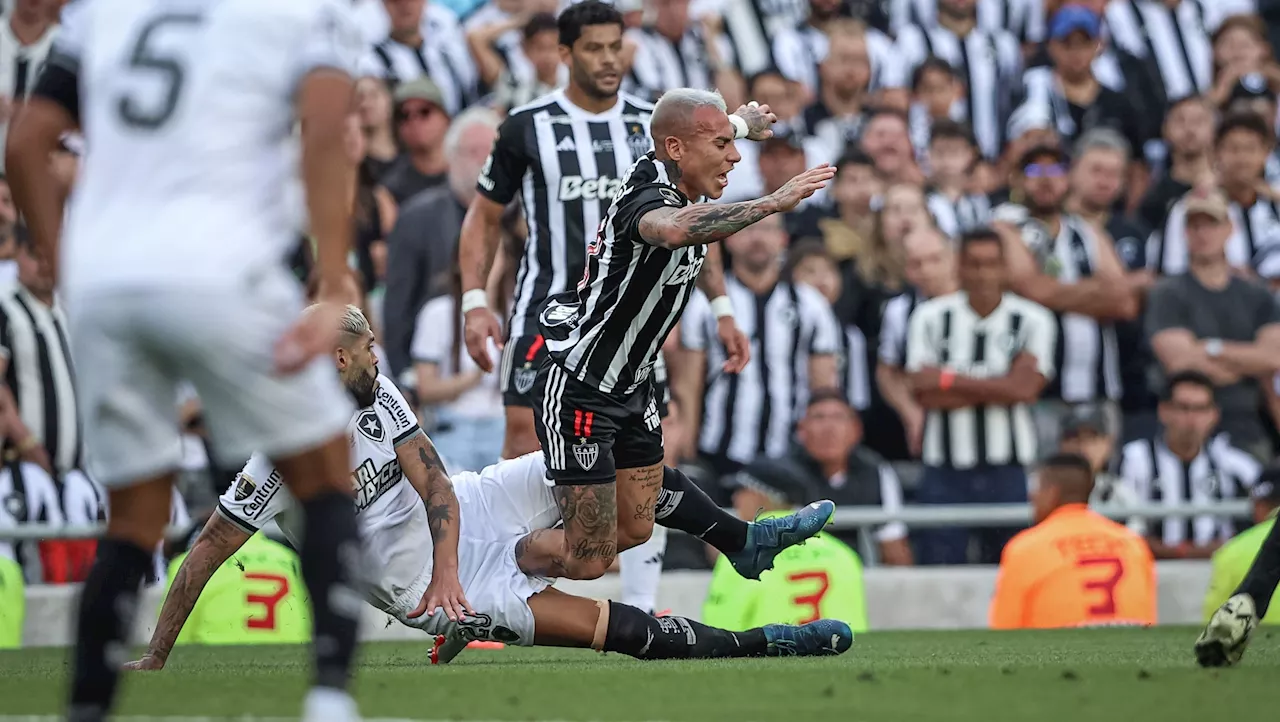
<point>603,339</point>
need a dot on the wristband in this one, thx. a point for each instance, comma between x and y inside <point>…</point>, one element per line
<point>946,379</point>
<point>473,299</point>
<point>722,307</point>
<point>739,127</point>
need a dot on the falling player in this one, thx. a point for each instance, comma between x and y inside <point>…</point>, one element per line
<point>171,271</point>
<point>399,481</point>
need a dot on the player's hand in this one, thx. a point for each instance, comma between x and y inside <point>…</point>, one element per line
<point>480,325</point>
<point>803,186</point>
<point>444,591</point>
<point>737,349</point>
<point>314,334</point>
<point>759,119</point>
<point>149,663</point>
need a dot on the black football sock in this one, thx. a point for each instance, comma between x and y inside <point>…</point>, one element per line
<point>644,636</point>
<point>107,605</point>
<point>684,506</point>
<point>1260,582</point>
<point>331,556</point>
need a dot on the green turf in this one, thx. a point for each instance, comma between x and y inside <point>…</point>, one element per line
<point>1078,675</point>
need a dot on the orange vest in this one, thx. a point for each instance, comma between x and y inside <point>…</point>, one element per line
<point>1075,568</point>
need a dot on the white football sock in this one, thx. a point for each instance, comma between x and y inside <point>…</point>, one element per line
<point>641,568</point>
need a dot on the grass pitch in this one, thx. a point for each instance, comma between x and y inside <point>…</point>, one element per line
<point>1075,676</point>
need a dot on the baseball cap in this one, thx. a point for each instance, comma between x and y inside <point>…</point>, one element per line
<point>1209,203</point>
<point>1074,19</point>
<point>420,88</point>
<point>1085,418</point>
<point>1267,487</point>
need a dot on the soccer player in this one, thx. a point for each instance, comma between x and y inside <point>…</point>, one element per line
<point>598,418</point>
<point>565,154</point>
<point>172,271</point>
<point>1231,561</point>
<point>1074,567</point>
<point>398,476</point>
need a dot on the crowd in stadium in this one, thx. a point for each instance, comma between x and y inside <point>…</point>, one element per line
<point>1123,154</point>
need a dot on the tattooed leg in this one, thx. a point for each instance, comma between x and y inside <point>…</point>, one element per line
<point>637,495</point>
<point>590,514</point>
<point>541,553</point>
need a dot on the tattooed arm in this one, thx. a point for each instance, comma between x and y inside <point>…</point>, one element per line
<point>217,542</point>
<point>426,473</point>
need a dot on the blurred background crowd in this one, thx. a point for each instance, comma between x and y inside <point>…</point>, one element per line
<point>1124,151</point>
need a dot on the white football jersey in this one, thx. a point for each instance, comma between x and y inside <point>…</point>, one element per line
<point>190,173</point>
<point>391,515</point>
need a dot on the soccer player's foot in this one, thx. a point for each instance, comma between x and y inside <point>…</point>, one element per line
<point>1223,641</point>
<point>816,639</point>
<point>767,538</point>
<point>325,704</point>
<point>447,647</point>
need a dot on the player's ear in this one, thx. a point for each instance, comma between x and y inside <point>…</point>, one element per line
<point>675,149</point>
<point>566,54</point>
<point>340,356</point>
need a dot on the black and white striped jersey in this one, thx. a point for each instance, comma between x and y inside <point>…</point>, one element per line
<point>990,62</point>
<point>1220,471</point>
<point>892,349</point>
<point>853,367</point>
<point>965,213</point>
<point>797,52</point>
<point>607,332</point>
<point>1088,353</point>
<point>1024,19</point>
<point>754,412</point>
<point>661,63</point>
<point>752,26</point>
<point>1177,39</point>
<point>945,332</point>
<point>447,63</point>
<point>566,164</point>
<point>1253,230</point>
<point>19,63</point>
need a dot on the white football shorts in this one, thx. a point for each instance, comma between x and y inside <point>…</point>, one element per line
<point>131,349</point>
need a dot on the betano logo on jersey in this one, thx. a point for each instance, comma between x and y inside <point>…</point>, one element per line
<point>575,187</point>
<point>686,273</point>
<point>370,484</point>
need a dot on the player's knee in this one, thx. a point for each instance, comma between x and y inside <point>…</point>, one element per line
<point>592,567</point>
<point>633,532</point>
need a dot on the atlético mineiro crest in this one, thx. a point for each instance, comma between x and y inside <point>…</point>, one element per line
<point>586,454</point>
<point>524,379</point>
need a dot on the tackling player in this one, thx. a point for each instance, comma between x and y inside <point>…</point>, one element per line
<point>598,419</point>
<point>172,271</point>
<point>395,472</point>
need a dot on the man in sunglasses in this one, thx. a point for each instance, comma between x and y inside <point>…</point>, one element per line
<point>420,125</point>
<point>1070,266</point>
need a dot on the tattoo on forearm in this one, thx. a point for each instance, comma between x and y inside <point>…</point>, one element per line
<point>707,222</point>
<point>440,498</point>
<point>188,583</point>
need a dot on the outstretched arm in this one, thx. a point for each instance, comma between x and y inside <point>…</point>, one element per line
<point>703,223</point>
<point>426,473</point>
<point>217,542</point>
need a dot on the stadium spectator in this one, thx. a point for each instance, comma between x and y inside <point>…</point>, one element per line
<point>673,51</point>
<point>423,242</point>
<point>1069,266</point>
<point>931,270</point>
<point>851,221</point>
<point>1074,567</point>
<point>1172,34</point>
<point>1242,59</point>
<point>886,138</point>
<point>771,88</point>
<point>1212,320</point>
<point>937,95</point>
<point>1231,561</point>
<point>255,597</point>
<point>1185,463</point>
<point>1085,432</point>
<point>421,123</point>
<point>424,40</point>
<point>989,59</point>
<point>373,106</point>
<point>794,341</point>
<point>976,359</point>
<point>1024,19</point>
<point>469,417</point>
<point>374,213</point>
<point>1097,184</point>
<point>800,50</point>
<point>810,263</point>
<point>28,29</point>
<point>837,112</point>
<point>29,495</point>
<point>1252,94</point>
<point>1242,145</point>
<point>766,165</point>
<point>952,154</point>
<point>752,28</point>
<point>1188,140</point>
<point>540,45</point>
<point>822,578</point>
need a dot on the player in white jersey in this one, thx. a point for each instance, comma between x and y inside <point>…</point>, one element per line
<point>171,269</point>
<point>396,475</point>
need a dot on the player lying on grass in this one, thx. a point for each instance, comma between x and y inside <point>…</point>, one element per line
<point>434,543</point>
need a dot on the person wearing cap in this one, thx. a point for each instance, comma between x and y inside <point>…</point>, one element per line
<point>1231,561</point>
<point>821,579</point>
<point>1085,432</point>
<point>1212,320</point>
<point>420,122</point>
<point>1075,567</point>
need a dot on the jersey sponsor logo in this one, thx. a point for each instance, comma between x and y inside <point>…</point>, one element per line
<point>575,187</point>
<point>265,492</point>
<point>396,410</point>
<point>556,314</point>
<point>586,454</point>
<point>244,486</point>
<point>651,418</point>
<point>485,181</point>
<point>370,483</point>
<point>371,426</point>
<point>686,273</point>
<point>601,146</point>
